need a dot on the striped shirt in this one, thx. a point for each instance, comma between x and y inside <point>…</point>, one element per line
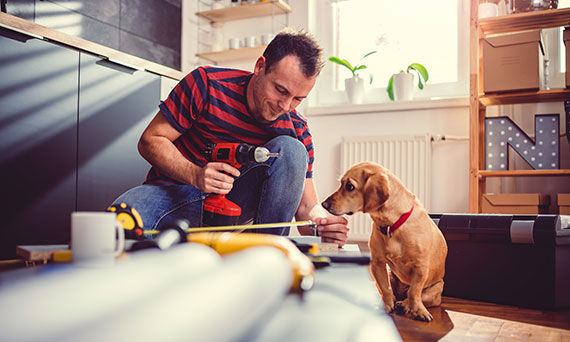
<point>209,106</point>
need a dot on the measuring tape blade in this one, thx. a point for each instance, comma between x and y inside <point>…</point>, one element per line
<point>244,227</point>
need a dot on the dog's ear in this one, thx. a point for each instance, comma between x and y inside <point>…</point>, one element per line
<point>375,192</point>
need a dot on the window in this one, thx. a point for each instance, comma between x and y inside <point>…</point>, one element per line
<point>402,32</point>
<point>434,33</point>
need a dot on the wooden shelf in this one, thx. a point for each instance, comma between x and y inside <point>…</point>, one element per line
<point>551,95</point>
<point>233,55</point>
<point>246,11</point>
<point>524,173</point>
<point>525,21</point>
<point>479,100</point>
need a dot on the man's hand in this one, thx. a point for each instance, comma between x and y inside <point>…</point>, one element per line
<point>333,229</point>
<point>215,178</point>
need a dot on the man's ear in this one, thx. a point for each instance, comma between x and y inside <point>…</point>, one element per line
<point>259,66</point>
<point>375,192</point>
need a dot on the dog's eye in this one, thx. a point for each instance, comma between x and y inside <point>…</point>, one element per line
<point>349,186</point>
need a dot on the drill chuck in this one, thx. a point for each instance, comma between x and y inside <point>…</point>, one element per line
<point>261,154</point>
<point>238,154</point>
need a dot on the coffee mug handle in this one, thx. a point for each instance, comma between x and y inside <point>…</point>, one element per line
<point>121,240</point>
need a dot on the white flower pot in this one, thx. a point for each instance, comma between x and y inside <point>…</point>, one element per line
<point>354,90</point>
<point>403,84</point>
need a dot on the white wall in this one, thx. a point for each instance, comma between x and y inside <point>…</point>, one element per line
<point>450,158</point>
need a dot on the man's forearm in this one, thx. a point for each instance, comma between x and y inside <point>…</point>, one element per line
<point>308,201</point>
<point>162,154</point>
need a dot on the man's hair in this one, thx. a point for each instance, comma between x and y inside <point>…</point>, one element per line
<point>297,43</point>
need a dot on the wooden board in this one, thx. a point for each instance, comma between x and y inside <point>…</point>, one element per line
<point>39,252</point>
<point>246,11</point>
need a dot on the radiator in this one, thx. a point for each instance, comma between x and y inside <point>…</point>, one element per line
<point>407,156</point>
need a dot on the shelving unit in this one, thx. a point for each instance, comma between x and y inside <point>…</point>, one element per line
<point>233,55</point>
<point>259,9</point>
<point>479,101</point>
<point>246,11</point>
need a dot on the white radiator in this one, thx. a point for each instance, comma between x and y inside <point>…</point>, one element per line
<point>407,156</point>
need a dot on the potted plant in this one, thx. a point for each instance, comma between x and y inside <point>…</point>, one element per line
<point>355,85</point>
<point>400,86</point>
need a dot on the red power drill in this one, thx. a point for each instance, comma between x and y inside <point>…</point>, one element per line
<point>218,210</point>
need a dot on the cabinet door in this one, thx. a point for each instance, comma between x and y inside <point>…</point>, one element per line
<point>38,135</point>
<point>115,106</point>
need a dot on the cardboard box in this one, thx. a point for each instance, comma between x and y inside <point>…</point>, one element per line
<point>564,204</point>
<point>513,62</point>
<point>566,39</point>
<point>521,260</point>
<point>515,203</point>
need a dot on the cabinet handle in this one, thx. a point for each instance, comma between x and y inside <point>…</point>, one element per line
<point>118,65</point>
<point>17,34</point>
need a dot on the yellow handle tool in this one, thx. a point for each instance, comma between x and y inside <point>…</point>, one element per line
<point>225,243</point>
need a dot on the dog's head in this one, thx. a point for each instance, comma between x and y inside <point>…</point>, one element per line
<point>364,187</point>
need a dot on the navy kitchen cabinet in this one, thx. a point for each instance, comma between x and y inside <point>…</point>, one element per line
<point>38,141</point>
<point>69,126</point>
<point>116,103</point>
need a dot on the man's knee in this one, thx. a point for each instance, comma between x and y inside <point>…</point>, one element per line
<point>291,151</point>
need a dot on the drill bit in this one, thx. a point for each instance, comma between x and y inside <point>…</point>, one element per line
<point>261,154</point>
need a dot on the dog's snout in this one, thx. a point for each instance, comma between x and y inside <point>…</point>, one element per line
<point>326,204</point>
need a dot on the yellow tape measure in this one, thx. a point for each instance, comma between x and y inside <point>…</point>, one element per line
<point>243,227</point>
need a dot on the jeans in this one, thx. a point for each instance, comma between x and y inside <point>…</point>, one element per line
<point>267,192</point>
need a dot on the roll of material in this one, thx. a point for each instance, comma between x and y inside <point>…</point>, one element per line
<point>63,299</point>
<point>488,10</point>
<point>222,305</point>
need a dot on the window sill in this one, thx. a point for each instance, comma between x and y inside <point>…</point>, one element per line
<point>348,109</point>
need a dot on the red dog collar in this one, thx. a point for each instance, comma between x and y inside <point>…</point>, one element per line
<point>389,230</point>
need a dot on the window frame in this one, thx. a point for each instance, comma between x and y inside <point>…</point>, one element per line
<point>325,92</point>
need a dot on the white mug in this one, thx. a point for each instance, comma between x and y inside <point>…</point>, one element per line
<point>96,239</point>
<point>235,43</point>
<point>250,41</point>
<point>488,9</point>
<point>267,38</point>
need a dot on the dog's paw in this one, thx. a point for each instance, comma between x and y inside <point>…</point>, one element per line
<point>388,305</point>
<point>421,314</point>
<point>416,312</point>
<point>400,308</point>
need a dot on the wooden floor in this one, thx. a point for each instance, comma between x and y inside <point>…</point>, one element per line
<point>465,320</point>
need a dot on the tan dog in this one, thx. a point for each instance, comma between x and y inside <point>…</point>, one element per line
<point>408,250</point>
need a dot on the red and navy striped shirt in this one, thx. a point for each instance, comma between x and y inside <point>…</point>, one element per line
<point>209,106</point>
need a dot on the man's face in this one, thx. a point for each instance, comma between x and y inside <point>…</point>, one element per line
<point>279,91</point>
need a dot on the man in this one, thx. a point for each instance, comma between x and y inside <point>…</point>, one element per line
<point>213,105</point>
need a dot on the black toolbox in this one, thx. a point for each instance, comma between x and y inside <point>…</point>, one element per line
<point>521,260</point>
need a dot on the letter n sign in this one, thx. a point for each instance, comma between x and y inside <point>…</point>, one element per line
<point>542,153</point>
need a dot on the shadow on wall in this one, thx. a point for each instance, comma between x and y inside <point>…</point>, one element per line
<point>146,29</point>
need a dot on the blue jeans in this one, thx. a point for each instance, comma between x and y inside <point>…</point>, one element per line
<point>267,192</point>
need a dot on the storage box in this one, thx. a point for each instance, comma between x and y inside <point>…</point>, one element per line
<point>564,204</point>
<point>515,203</point>
<point>521,260</point>
<point>513,62</point>
<point>566,36</point>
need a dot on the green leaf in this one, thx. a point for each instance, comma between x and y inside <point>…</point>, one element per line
<point>360,67</point>
<point>422,71</point>
<point>390,88</point>
<point>368,54</point>
<point>342,62</point>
